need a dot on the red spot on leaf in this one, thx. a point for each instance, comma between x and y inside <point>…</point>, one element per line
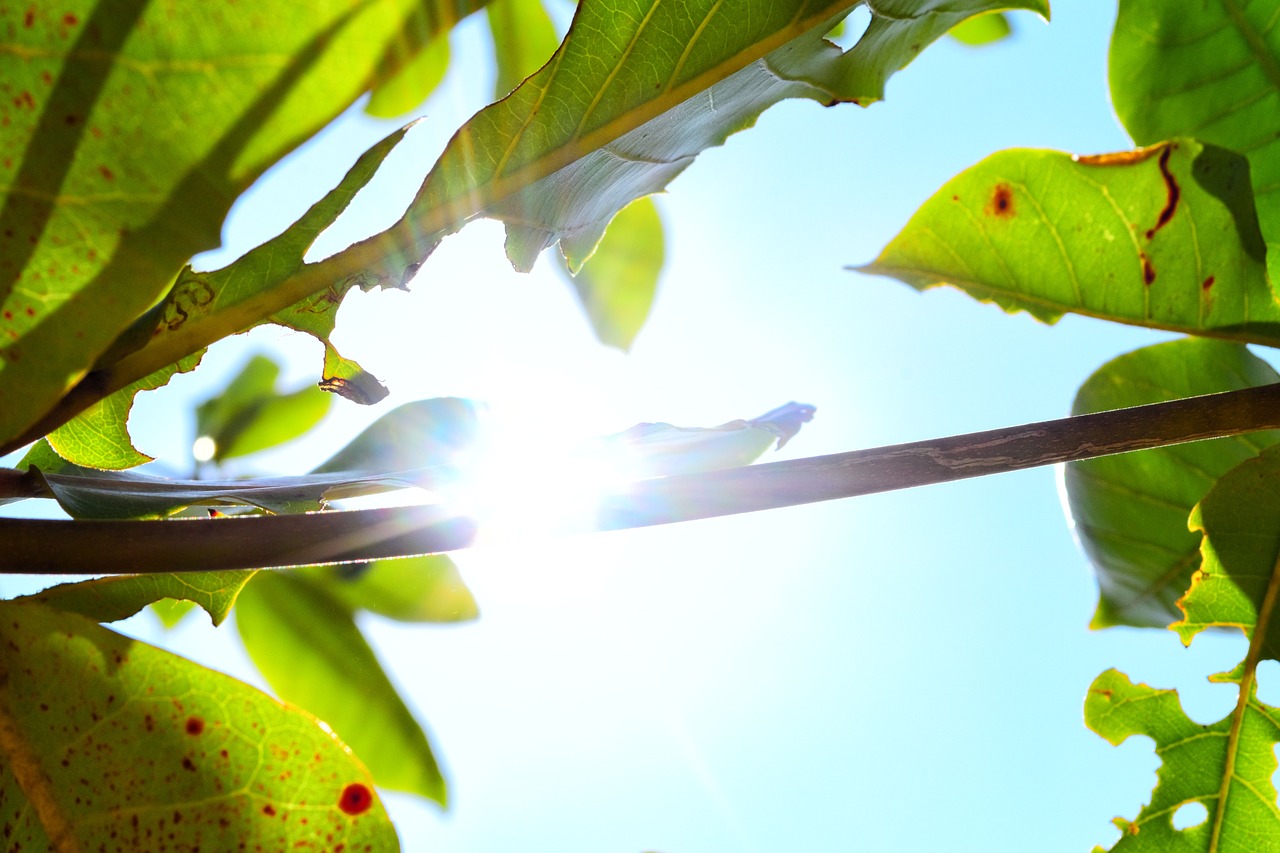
<point>195,725</point>
<point>30,312</point>
<point>1172,194</point>
<point>8,315</point>
<point>269,810</point>
<point>70,20</point>
<point>107,173</point>
<point>1208,283</point>
<point>1148,271</point>
<point>356,799</point>
<point>1001,204</point>
<point>29,19</point>
<point>188,764</point>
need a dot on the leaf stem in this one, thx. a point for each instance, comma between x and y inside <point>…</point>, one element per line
<point>41,546</point>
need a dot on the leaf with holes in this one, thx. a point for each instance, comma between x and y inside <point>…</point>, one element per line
<point>1130,511</point>
<point>150,746</point>
<point>1163,237</point>
<point>308,647</point>
<point>125,162</point>
<point>1226,767</point>
<point>1208,70</point>
<point>111,599</point>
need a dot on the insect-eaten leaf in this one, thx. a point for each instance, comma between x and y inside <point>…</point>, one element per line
<point>109,743</point>
<point>1164,237</point>
<point>1130,511</point>
<point>111,599</point>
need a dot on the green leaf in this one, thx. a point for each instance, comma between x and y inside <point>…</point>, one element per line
<point>1226,767</point>
<point>309,649</point>
<point>171,611</point>
<point>126,163</point>
<point>109,743</point>
<point>412,589</point>
<point>982,30</point>
<point>417,434</point>
<point>208,306</point>
<point>523,40</point>
<point>1241,546</point>
<point>118,597</point>
<point>1163,237</point>
<point>617,283</point>
<point>1208,70</point>
<point>1130,511</point>
<point>415,62</point>
<point>98,437</point>
<point>248,415</point>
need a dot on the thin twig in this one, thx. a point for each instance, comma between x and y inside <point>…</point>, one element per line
<point>38,546</point>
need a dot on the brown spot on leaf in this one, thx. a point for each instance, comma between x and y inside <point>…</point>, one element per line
<point>1148,271</point>
<point>29,311</point>
<point>29,19</point>
<point>70,20</point>
<point>1001,203</point>
<point>269,810</point>
<point>356,799</point>
<point>195,725</point>
<point>106,173</point>
<point>1119,158</point>
<point>1172,193</point>
<point>188,764</point>
<point>1208,283</point>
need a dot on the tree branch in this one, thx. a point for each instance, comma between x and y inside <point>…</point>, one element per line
<point>38,546</point>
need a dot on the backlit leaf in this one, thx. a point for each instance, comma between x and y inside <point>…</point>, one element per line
<point>309,649</point>
<point>616,285</point>
<point>125,162</point>
<point>412,589</point>
<point>523,40</point>
<point>1130,511</point>
<point>248,415</point>
<point>1164,237</point>
<point>1208,70</point>
<point>111,599</point>
<point>1225,766</point>
<point>982,29</point>
<point>107,743</point>
<point>415,60</point>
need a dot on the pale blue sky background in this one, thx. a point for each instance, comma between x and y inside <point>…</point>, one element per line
<point>901,672</point>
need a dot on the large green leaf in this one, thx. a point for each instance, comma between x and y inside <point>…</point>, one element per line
<point>1164,237</point>
<point>424,432</point>
<point>1130,511</point>
<point>616,285</point>
<point>308,647</point>
<point>248,415</point>
<point>131,130</point>
<point>1225,767</point>
<point>111,744</point>
<point>1208,70</point>
<point>118,597</point>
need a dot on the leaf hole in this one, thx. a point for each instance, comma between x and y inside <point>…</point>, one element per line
<point>1268,680</point>
<point>1189,815</point>
<point>850,31</point>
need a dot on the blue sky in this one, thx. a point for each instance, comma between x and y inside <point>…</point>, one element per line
<point>901,672</point>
